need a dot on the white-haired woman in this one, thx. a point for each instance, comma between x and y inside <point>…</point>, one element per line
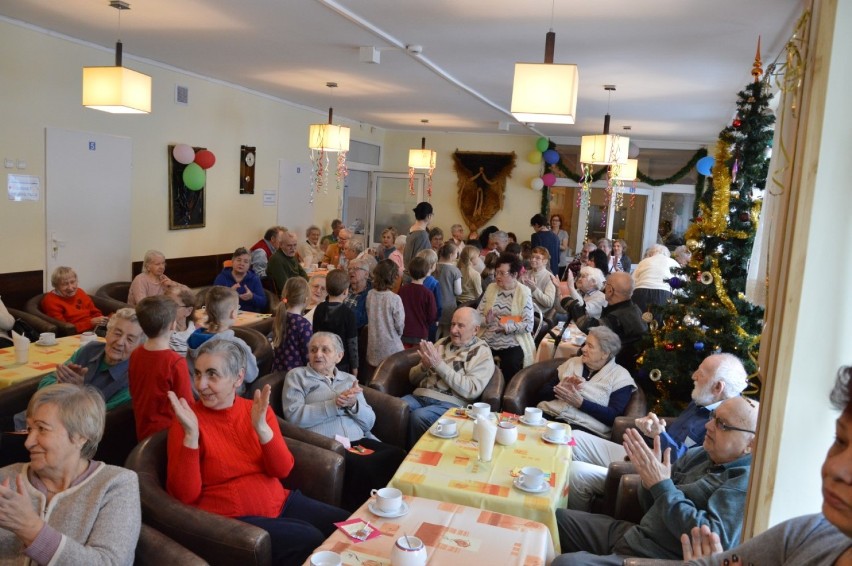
<point>320,398</point>
<point>152,281</point>
<point>650,279</point>
<point>68,303</point>
<point>63,507</point>
<point>590,390</point>
<point>586,293</point>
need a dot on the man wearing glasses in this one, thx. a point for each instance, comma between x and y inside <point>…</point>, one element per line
<point>334,253</point>
<point>706,486</point>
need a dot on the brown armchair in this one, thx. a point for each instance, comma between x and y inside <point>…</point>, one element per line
<point>391,377</point>
<point>117,291</point>
<point>318,473</point>
<point>156,549</point>
<point>106,305</point>
<point>260,347</point>
<point>38,323</point>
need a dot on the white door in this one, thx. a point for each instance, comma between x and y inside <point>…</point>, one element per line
<point>87,206</point>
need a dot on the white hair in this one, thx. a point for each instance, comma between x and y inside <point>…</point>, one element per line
<point>595,275</point>
<point>731,372</point>
<point>656,249</point>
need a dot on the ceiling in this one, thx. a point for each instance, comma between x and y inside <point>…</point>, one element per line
<point>677,64</point>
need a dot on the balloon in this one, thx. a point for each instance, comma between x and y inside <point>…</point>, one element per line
<point>705,165</point>
<point>194,177</point>
<point>537,184</point>
<point>205,159</point>
<point>551,156</point>
<point>549,179</point>
<point>632,150</point>
<point>183,154</point>
<point>534,157</point>
<point>542,144</point>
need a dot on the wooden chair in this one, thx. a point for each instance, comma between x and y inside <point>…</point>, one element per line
<point>106,305</point>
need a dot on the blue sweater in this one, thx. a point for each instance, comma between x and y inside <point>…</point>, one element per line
<point>686,431</point>
<point>251,282</point>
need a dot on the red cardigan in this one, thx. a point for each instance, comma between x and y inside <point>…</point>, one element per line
<point>78,310</point>
<point>230,473</point>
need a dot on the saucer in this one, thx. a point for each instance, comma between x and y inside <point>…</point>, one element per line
<point>403,509</point>
<point>537,423</point>
<point>545,487</point>
<point>46,344</point>
<point>444,436</point>
<point>549,441</point>
<point>471,416</point>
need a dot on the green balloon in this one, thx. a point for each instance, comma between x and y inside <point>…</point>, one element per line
<point>542,144</point>
<point>193,177</point>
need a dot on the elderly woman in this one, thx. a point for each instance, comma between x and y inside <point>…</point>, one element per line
<point>650,280</point>
<point>316,294</point>
<point>244,281</point>
<point>590,390</point>
<point>152,281</point>
<point>436,239</point>
<point>587,296</point>
<point>540,280</point>
<point>682,255</point>
<point>226,456</point>
<point>68,303</point>
<point>618,261</point>
<point>63,507</point>
<point>325,400</point>
<point>309,250</point>
<point>507,309</point>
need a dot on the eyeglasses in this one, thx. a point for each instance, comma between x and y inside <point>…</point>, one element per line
<point>722,425</point>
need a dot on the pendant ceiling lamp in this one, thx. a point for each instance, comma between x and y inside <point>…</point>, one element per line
<point>421,159</point>
<point>323,140</point>
<point>117,89</point>
<point>546,92</point>
<point>606,148</point>
<point>626,171</point>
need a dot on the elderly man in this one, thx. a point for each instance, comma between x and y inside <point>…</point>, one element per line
<point>264,248</point>
<point>309,250</point>
<point>719,377</point>
<point>283,264</point>
<point>581,258</point>
<point>706,486</point>
<point>452,373</point>
<point>497,243</point>
<point>354,249</point>
<point>334,256</point>
<point>359,286</point>
<point>336,226</point>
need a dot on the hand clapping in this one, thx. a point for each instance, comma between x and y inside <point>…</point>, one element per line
<point>187,419</point>
<point>652,469</point>
<point>568,390</point>
<point>17,513</point>
<point>703,543</point>
<point>651,425</point>
<point>349,397</point>
<point>71,373</point>
<point>430,355</point>
<point>259,407</point>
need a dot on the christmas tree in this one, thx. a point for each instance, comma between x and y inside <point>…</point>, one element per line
<point>709,312</point>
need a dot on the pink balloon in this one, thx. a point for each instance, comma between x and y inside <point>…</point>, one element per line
<point>205,159</point>
<point>549,179</point>
<point>183,154</point>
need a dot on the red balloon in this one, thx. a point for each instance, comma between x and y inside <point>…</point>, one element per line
<point>205,159</point>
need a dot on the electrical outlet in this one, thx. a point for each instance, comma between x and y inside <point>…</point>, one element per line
<point>9,163</point>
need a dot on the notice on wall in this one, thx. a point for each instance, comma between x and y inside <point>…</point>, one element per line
<point>24,187</point>
<point>270,198</point>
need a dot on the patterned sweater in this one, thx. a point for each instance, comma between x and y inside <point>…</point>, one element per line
<point>462,376</point>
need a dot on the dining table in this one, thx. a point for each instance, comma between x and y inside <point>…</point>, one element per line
<point>453,534</point>
<point>448,469</point>
<point>41,360</point>
<point>569,345</point>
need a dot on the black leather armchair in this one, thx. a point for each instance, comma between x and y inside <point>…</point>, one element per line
<point>156,549</point>
<point>260,347</point>
<point>38,323</point>
<point>106,305</point>
<point>117,291</point>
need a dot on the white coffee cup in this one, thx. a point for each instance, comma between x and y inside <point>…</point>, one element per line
<point>326,558</point>
<point>531,477</point>
<point>47,338</point>
<point>388,499</point>
<point>87,337</point>
<point>408,551</point>
<point>446,427</point>
<point>480,409</point>
<point>556,432</point>
<point>507,433</point>
<point>532,415</point>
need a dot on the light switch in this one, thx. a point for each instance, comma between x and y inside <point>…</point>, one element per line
<point>22,164</point>
<point>9,163</point>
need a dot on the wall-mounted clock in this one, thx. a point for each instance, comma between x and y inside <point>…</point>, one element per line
<point>248,155</point>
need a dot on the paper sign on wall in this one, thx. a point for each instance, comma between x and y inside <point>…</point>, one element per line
<point>24,187</point>
<point>269,198</point>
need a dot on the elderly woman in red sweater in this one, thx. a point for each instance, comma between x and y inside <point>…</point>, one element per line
<point>226,455</point>
<point>68,303</point>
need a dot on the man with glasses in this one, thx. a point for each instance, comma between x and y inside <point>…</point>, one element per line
<point>334,253</point>
<point>284,264</point>
<point>719,377</point>
<point>706,486</point>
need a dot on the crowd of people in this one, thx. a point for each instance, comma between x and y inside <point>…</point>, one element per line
<point>466,306</point>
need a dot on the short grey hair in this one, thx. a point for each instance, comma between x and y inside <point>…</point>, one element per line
<point>595,275</point>
<point>499,235</point>
<point>400,240</point>
<point>150,256</point>
<point>657,249</point>
<point>681,252</point>
<point>127,313</point>
<point>81,411</point>
<point>608,340</point>
<point>311,228</point>
<point>231,352</point>
<point>335,339</point>
<point>732,373</point>
<point>356,244</point>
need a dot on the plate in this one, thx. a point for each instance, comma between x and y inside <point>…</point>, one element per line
<point>543,489</point>
<point>46,344</point>
<point>549,441</point>
<point>403,509</point>
<point>444,436</point>
<point>538,423</point>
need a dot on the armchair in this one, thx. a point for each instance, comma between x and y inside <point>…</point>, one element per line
<point>117,291</point>
<point>391,377</point>
<point>39,324</point>
<point>106,305</point>
<point>155,549</point>
<point>259,345</point>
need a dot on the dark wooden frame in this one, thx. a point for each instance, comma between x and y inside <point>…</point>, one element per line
<point>186,208</point>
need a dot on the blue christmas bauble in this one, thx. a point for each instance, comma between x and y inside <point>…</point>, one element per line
<point>699,346</point>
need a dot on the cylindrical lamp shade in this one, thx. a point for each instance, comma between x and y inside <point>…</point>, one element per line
<point>328,137</point>
<point>545,93</point>
<point>422,158</point>
<point>626,171</point>
<point>604,149</point>
<point>116,89</point>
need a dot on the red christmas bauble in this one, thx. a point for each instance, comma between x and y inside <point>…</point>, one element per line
<point>670,347</point>
<point>744,216</point>
<point>737,122</point>
<point>699,219</point>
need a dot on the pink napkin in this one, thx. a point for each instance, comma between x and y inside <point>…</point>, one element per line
<point>351,528</point>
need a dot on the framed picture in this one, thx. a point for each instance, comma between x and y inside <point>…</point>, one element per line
<point>186,207</point>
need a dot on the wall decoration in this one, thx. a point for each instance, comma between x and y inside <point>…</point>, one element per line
<point>187,179</point>
<point>482,182</point>
<point>248,157</point>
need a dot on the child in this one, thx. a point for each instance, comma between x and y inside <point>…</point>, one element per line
<point>222,306</point>
<point>418,302</point>
<point>450,279</point>
<point>333,316</point>
<point>432,284</point>
<point>385,313</point>
<point>185,323</point>
<point>292,331</point>
<point>468,262</point>
<point>155,369</point>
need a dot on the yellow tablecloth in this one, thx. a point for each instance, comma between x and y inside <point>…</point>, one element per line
<point>545,350</point>
<point>449,470</point>
<point>453,535</point>
<point>245,318</point>
<point>42,360</point>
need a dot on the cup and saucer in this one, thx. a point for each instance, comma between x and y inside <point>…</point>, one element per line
<point>443,435</point>
<point>544,487</point>
<point>546,438</point>
<point>539,422</point>
<point>44,344</point>
<point>399,512</point>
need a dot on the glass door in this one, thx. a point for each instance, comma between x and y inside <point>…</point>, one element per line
<point>393,203</point>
